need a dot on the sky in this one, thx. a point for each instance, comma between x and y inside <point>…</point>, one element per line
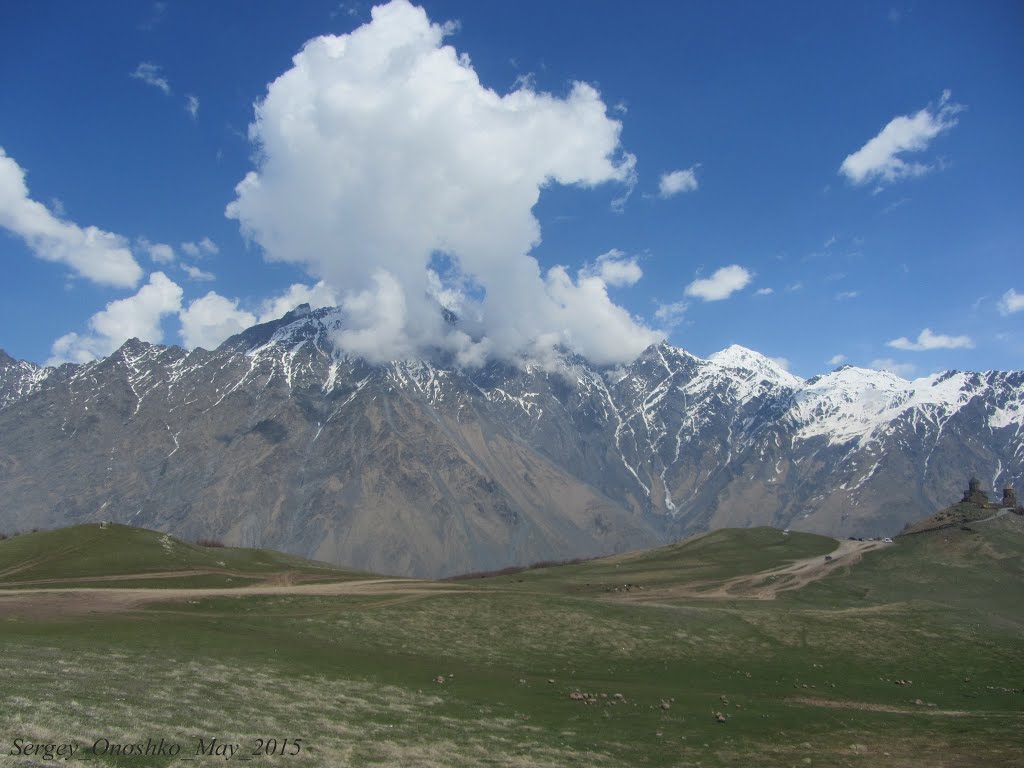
<point>824,182</point>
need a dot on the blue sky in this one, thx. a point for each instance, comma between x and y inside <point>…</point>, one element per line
<point>846,179</point>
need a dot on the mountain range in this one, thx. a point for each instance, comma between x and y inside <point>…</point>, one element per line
<point>276,439</point>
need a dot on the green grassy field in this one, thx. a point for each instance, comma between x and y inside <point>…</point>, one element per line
<point>909,657</point>
<point>76,555</point>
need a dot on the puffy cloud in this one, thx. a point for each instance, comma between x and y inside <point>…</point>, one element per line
<point>879,159</point>
<point>782,362</point>
<point>137,316</point>
<point>317,296</point>
<point>150,74</point>
<point>100,256</point>
<point>615,269</point>
<point>1011,302</point>
<point>195,273</point>
<point>209,320</point>
<point>161,253</point>
<point>674,182</point>
<point>192,106</point>
<point>205,247</point>
<point>927,340</point>
<point>837,360</point>
<point>380,149</point>
<point>892,366</point>
<point>721,285</point>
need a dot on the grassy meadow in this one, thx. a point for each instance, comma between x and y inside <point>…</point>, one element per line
<point>907,655</point>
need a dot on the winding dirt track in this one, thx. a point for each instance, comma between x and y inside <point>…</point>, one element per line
<point>36,600</point>
<point>57,602</point>
<point>765,585</point>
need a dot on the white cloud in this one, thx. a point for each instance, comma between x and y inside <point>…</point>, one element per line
<point>317,296</point>
<point>764,291</point>
<point>137,316</point>
<point>879,160</point>
<point>888,364</point>
<point>782,362</point>
<point>837,360</point>
<point>1011,302</point>
<point>847,295</point>
<point>149,73</point>
<point>100,256</point>
<point>674,182</point>
<point>927,340</point>
<point>192,106</point>
<point>161,253</point>
<point>615,268</point>
<point>209,320</point>
<point>381,148</point>
<point>671,315</point>
<point>721,285</point>
<point>205,247</point>
<point>195,273</point>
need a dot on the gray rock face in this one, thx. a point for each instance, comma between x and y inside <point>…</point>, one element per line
<point>424,469</point>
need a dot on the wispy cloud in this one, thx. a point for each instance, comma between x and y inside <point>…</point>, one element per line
<point>837,360</point>
<point>880,159</point>
<point>927,340</point>
<point>156,16</point>
<point>893,366</point>
<point>764,291</point>
<point>205,247</point>
<point>721,285</point>
<point>847,295</point>
<point>195,273</point>
<point>192,106</point>
<point>671,315</point>
<point>150,73</point>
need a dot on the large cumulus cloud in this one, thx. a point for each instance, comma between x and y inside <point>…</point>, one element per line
<point>380,150</point>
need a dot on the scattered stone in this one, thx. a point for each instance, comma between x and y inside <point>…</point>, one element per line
<point>720,717</point>
<point>665,704</point>
<point>439,679</point>
<point>618,696</point>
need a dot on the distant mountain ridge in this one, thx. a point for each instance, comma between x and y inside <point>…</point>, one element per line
<point>418,467</point>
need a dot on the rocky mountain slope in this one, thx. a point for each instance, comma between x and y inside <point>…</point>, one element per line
<point>421,468</point>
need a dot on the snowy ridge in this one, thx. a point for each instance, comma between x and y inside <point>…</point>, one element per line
<point>859,404</point>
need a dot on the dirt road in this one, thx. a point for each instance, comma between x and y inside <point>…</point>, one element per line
<point>59,602</point>
<point>765,585</point>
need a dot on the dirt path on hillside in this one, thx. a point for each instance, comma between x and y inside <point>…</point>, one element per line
<point>81,601</point>
<point>765,585</point>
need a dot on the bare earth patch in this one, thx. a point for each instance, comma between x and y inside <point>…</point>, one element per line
<point>765,585</point>
<point>45,603</point>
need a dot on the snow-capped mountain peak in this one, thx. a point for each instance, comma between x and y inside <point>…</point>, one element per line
<point>751,365</point>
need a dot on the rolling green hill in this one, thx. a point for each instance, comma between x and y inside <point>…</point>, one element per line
<point>735,648</point>
<point>101,555</point>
